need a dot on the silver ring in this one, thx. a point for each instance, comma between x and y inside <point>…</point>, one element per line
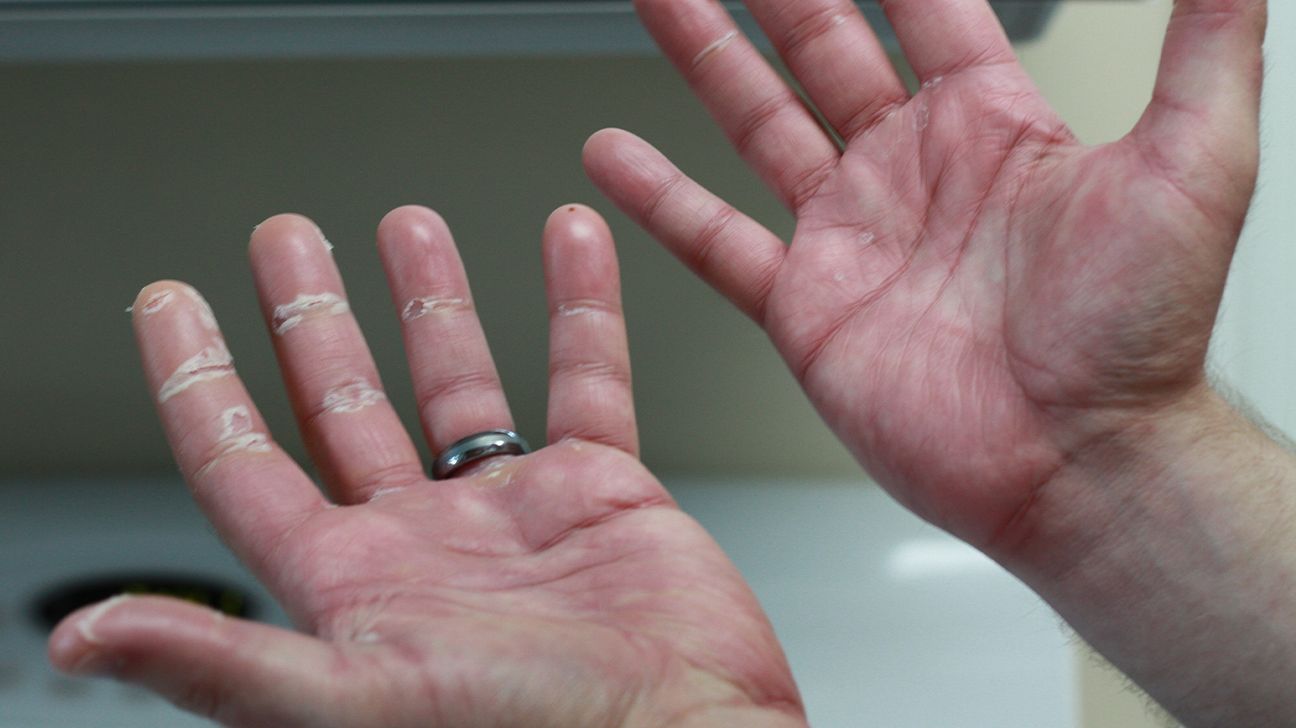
<point>476,447</point>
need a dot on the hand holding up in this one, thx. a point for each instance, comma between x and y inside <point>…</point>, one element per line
<point>559,588</point>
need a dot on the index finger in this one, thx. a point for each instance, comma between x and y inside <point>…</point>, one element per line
<point>247,486</point>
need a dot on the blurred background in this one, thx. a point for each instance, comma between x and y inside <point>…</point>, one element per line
<point>141,141</point>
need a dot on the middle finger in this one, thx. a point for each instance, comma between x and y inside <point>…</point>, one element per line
<point>354,436</point>
<point>455,381</point>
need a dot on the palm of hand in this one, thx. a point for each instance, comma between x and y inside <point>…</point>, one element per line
<point>505,599</point>
<point>968,271</point>
<point>965,276</point>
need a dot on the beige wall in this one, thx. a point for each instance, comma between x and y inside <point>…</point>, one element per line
<point>1097,63</point>
<point>1109,700</point>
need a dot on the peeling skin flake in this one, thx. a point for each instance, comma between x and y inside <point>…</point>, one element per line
<point>235,421</point>
<point>156,302</point>
<point>307,305</point>
<point>213,362</point>
<point>922,116</point>
<point>382,492</point>
<point>715,47</point>
<point>353,396</point>
<point>87,624</point>
<point>327,245</point>
<point>247,442</point>
<point>420,307</point>
<point>236,436</point>
<point>575,309</point>
<point>205,314</point>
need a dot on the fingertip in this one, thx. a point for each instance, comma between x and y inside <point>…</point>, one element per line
<point>76,646</point>
<point>609,148</point>
<point>287,229</point>
<point>161,294</point>
<point>570,208</point>
<point>577,235</point>
<point>153,294</point>
<point>65,647</point>
<point>626,168</point>
<point>412,221</point>
<point>578,222</point>
<point>282,222</point>
<point>602,138</point>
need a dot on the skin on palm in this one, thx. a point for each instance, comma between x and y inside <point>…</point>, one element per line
<point>596,610</point>
<point>1003,328</point>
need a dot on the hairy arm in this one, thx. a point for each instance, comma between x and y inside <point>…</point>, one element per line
<point>1171,547</point>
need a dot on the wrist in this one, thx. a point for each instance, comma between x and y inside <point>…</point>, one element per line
<point>1167,543</point>
<point>1129,470</point>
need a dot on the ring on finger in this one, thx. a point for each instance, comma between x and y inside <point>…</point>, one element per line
<point>477,446</point>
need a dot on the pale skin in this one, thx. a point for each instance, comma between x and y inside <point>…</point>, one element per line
<point>1008,329</point>
<point>559,588</point>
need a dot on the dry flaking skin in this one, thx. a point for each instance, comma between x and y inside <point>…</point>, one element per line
<point>213,362</point>
<point>155,303</point>
<point>237,435</point>
<point>353,396</point>
<point>307,305</point>
<point>205,314</point>
<point>420,307</point>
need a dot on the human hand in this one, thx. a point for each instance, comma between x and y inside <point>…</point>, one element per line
<point>972,297</point>
<point>559,588</point>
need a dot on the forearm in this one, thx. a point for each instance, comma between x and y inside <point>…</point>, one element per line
<point>1171,548</point>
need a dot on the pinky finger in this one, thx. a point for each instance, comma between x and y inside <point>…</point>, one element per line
<point>230,670</point>
<point>589,361</point>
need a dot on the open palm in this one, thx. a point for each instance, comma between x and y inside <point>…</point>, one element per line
<point>558,588</point>
<point>971,295</point>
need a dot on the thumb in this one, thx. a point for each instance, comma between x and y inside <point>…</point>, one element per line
<point>232,671</point>
<point>1203,122</point>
